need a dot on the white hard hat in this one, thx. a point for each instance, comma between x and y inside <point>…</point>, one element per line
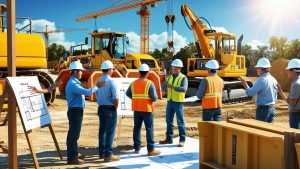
<point>144,68</point>
<point>177,63</point>
<point>263,63</point>
<point>294,63</point>
<point>107,65</point>
<point>76,65</point>
<point>212,64</point>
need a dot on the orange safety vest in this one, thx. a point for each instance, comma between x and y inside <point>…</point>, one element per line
<point>213,94</point>
<point>141,100</point>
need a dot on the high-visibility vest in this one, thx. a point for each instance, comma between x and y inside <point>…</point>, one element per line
<point>213,94</point>
<point>141,100</point>
<point>172,94</point>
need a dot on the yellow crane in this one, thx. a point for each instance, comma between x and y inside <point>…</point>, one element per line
<point>144,13</point>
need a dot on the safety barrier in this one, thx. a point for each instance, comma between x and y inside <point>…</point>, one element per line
<point>247,144</point>
<point>94,79</point>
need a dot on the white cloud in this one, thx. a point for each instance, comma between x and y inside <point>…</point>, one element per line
<point>40,26</point>
<point>219,29</point>
<point>156,41</point>
<point>255,43</point>
<point>104,30</point>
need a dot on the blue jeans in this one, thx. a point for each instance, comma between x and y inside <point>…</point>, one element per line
<point>265,114</point>
<point>108,120</point>
<point>295,120</point>
<point>172,108</point>
<point>211,114</point>
<point>147,117</point>
<point>75,121</point>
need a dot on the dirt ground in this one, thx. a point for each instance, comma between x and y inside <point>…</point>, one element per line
<point>88,142</point>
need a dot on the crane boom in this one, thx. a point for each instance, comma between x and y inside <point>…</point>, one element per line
<point>115,9</point>
<point>143,12</point>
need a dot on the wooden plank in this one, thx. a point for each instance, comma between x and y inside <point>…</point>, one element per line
<point>55,141</point>
<point>249,130</point>
<point>212,165</point>
<point>263,126</point>
<point>29,141</point>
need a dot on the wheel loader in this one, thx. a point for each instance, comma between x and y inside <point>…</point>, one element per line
<point>112,46</point>
<point>220,46</point>
<point>30,55</point>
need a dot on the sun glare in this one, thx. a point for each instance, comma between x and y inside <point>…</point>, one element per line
<point>280,8</point>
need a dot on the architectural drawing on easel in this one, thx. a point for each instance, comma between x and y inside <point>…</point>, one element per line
<point>124,102</point>
<point>32,106</point>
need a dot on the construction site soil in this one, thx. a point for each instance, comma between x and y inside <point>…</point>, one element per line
<point>88,142</point>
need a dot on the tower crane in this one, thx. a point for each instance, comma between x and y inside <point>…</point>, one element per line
<point>119,7</point>
<point>46,34</point>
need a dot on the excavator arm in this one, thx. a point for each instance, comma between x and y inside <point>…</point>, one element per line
<point>199,30</point>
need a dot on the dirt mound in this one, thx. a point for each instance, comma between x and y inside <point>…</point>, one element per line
<point>280,74</point>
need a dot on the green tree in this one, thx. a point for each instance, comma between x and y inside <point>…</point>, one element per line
<point>279,46</point>
<point>261,51</point>
<point>293,49</point>
<point>56,51</point>
<point>185,53</point>
<point>246,51</point>
<point>157,54</point>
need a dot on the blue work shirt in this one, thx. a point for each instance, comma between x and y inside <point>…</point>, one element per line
<point>201,89</point>
<point>152,92</point>
<point>265,89</point>
<point>107,94</point>
<point>183,86</point>
<point>75,93</point>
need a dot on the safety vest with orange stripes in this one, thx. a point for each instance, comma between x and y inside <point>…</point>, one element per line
<point>141,100</point>
<point>213,94</point>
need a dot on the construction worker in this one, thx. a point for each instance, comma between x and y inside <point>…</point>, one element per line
<point>176,85</point>
<point>143,94</point>
<point>75,98</point>
<point>293,71</point>
<point>210,91</point>
<point>265,89</point>
<point>107,99</point>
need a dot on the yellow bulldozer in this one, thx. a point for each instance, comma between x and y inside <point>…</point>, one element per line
<point>220,46</point>
<point>112,46</point>
<point>30,55</point>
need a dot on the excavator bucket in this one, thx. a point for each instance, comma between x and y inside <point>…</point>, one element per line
<point>133,73</point>
<point>94,79</point>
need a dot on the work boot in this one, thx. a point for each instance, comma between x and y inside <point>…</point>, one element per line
<point>76,161</point>
<point>136,151</point>
<point>80,156</point>
<point>153,152</point>
<point>166,141</point>
<point>111,158</point>
<point>181,144</point>
<point>101,156</point>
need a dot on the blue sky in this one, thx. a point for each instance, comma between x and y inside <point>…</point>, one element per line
<point>257,20</point>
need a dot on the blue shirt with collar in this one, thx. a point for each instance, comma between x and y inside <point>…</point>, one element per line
<point>265,89</point>
<point>75,93</point>
<point>107,94</point>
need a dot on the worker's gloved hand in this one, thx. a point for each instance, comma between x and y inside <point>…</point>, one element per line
<point>101,84</point>
<point>170,86</point>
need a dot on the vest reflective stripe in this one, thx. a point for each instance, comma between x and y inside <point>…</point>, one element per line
<point>172,94</point>
<point>140,96</point>
<point>213,94</point>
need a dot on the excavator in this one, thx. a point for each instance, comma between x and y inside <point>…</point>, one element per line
<point>30,55</point>
<point>220,46</point>
<point>112,46</point>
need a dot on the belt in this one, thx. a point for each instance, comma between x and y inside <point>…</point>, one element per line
<point>266,106</point>
<point>107,106</point>
<point>75,108</point>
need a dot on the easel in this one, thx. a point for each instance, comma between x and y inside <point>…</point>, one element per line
<point>27,133</point>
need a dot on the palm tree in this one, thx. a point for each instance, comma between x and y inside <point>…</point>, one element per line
<point>279,46</point>
<point>261,51</point>
<point>294,49</point>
